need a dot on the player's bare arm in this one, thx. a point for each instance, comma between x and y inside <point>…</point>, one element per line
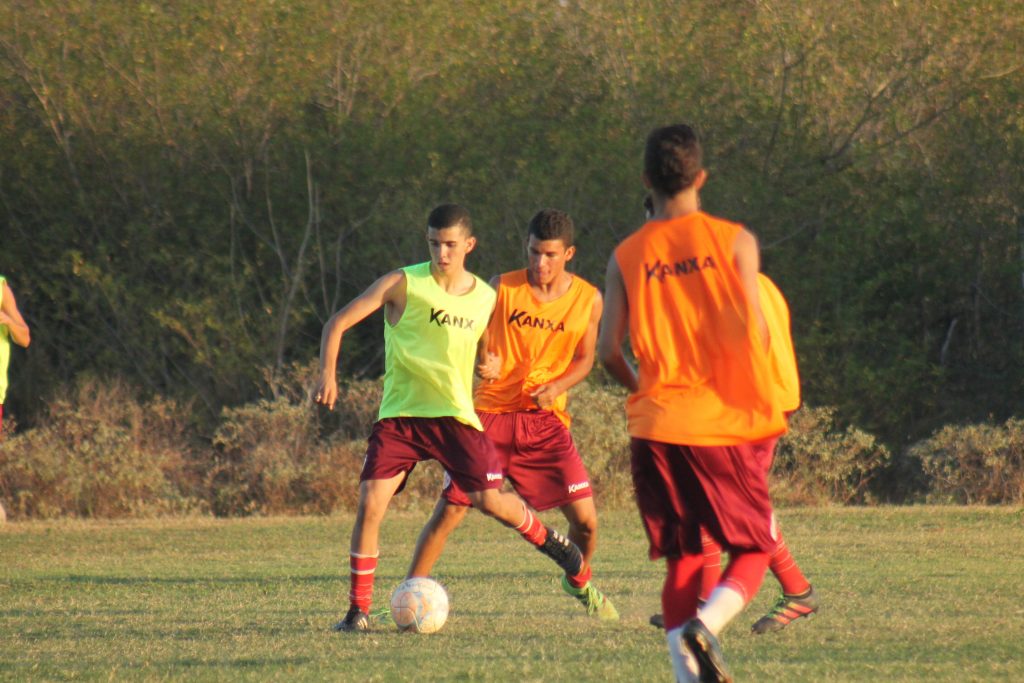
<point>747,258</point>
<point>581,365</point>
<point>388,291</point>
<point>488,365</point>
<point>11,317</point>
<point>614,324</point>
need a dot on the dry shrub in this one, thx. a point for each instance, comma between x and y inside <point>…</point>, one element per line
<point>599,430</point>
<point>974,464</point>
<point>270,460</point>
<point>819,462</point>
<point>101,453</point>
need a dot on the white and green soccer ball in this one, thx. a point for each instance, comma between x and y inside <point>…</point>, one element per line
<point>420,605</point>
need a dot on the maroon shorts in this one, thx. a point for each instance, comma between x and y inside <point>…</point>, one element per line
<point>538,457</point>
<point>396,444</point>
<point>679,489</point>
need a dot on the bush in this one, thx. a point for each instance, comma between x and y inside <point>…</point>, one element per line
<point>599,430</point>
<point>974,464</point>
<point>101,453</point>
<point>270,461</point>
<point>818,462</point>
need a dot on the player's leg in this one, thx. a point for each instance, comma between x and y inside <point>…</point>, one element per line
<point>582,517</point>
<point>511,511</point>
<point>711,573</point>
<point>444,520</point>
<point>798,598</point>
<point>374,497</point>
<point>472,463</point>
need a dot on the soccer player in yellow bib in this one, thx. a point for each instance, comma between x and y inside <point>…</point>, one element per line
<point>541,342</point>
<point>435,315</point>
<point>12,328</point>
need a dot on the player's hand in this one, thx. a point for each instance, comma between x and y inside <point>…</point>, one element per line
<point>326,393</point>
<point>490,368</point>
<point>545,395</point>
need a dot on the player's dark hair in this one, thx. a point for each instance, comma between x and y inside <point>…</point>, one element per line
<point>672,159</point>
<point>552,224</point>
<point>450,216</point>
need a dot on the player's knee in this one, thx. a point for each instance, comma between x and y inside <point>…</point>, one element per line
<point>452,515</point>
<point>486,501</point>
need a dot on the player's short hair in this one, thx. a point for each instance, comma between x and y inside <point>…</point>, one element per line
<point>672,159</point>
<point>552,224</point>
<point>450,216</point>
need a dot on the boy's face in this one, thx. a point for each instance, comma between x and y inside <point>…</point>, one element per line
<point>448,248</point>
<point>546,259</point>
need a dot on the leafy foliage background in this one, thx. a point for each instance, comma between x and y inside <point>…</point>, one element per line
<point>188,190</point>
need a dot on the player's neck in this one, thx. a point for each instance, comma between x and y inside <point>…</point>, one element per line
<point>558,286</point>
<point>681,204</point>
<point>455,281</point>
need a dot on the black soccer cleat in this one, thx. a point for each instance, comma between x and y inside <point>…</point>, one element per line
<point>563,551</point>
<point>705,648</point>
<point>355,620</point>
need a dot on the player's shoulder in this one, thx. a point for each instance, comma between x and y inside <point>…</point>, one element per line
<point>584,284</point>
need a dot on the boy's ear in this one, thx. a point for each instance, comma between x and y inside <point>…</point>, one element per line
<point>702,177</point>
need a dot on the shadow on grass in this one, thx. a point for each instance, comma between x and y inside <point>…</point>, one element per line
<point>246,663</point>
<point>177,580</point>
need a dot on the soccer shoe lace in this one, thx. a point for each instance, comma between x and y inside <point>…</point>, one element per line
<point>705,648</point>
<point>789,608</point>
<point>592,599</point>
<point>355,620</point>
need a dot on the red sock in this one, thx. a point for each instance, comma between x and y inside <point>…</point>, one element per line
<point>786,570</point>
<point>745,573</point>
<point>531,529</point>
<point>712,571</point>
<point>681,588</point>
<point>360,592</point>
<point>581,579</point>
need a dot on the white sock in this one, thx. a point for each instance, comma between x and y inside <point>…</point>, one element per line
<point>684,664</point>
<point>724,604</point>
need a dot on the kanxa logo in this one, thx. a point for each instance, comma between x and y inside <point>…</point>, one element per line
<point>686,266</point>
<point>524,319</point>
<point>439,317</point>
<point>573,488</point>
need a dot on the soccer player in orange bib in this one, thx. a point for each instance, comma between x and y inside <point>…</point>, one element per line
<point>540,343</point>
<point>435,314</point>
<point>798,596</point>
<point>703,407</point>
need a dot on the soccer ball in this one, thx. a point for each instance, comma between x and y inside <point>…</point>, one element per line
<point>420,605</point>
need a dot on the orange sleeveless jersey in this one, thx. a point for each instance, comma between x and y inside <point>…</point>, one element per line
<point>783,357</point>
<point>536,341</point>
<point>705,378</point>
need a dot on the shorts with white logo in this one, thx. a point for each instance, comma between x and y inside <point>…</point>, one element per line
<point>724,489</point>
<point>396,444</point>
<point>538,457</point>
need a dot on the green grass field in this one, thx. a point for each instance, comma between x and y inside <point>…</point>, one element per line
<point>910,594</point>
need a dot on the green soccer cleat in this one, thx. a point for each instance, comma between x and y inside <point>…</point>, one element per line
<point>380,614</point>
<point>355,621</point>
<point>593,599</point>
<point>706,650</point>
<point>789,608</point>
